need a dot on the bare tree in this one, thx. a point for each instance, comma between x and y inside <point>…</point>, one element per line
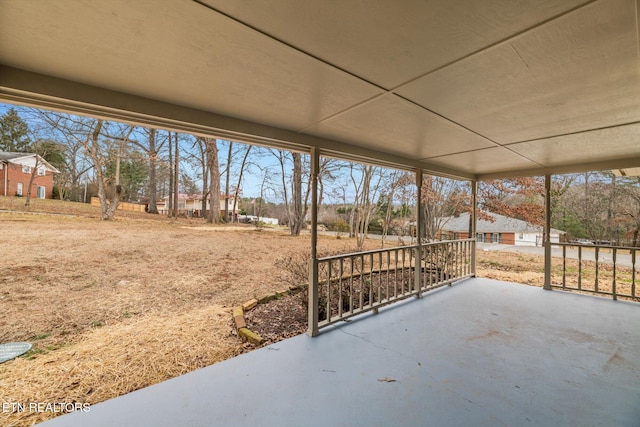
<point>196,156</point>
<point>214,179</point>
<point>151,149</point>
<point>627,218</point>
<point>68,133</point>
<point>367,181</point>
<point>226,182</point>
<point>108,190</point>
<point>396,183</point>
<point>34,171</point>
<point>327,174</point>
<point>297,216</point>
<point>442,198</point>
<point>240,173</point>
<point>297,205</point>
<point>95,137</point>
<point>172,180</point>
<point>176,174</point>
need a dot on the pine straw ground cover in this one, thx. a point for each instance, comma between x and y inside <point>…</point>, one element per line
<point>111,307</point>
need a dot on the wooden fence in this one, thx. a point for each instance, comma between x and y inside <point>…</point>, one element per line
<point>131,207</point>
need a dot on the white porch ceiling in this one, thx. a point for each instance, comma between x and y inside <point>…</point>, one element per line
<point>463,88</point>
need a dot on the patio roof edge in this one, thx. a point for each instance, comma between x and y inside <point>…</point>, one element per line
<point>42,91</point>
<point>623,163</point>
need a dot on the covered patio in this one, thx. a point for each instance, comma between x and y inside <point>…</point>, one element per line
<point>481,353</point>
<point>468,90</point>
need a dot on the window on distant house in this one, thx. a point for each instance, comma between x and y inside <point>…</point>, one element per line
<point>41,172</point>
<point>19,189</point>
<point>495,238</point>
<point>41,192</point>
<point>26,169</point>
<point>480,237</point>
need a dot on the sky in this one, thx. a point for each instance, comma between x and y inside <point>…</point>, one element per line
<point>262,175</point>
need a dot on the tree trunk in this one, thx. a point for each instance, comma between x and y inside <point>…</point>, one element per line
<point>169,204</point>
<point>176,176</point>
<point>226,184</point>
<point>202,159</point>
<point>34,171</point>
<point>285,193</point>
<point>205,188</point>
<point>108,206</point>
<point>363,212</point>
<point>214,180</point>
<point>244,161</point>
<point>297,218</point>
<point>153,184</point>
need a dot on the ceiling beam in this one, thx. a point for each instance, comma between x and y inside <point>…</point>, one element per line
<point>624,163</point>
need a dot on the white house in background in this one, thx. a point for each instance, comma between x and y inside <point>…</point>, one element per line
<point>254,219</point>
<point>191,205</point>
<point>505,230</point>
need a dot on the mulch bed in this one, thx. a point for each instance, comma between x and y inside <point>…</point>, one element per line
<point>278,319</point>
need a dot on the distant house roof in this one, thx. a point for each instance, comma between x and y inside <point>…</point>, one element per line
<point>501,224</point>
<point>26,159</point>
<point>185,196</point>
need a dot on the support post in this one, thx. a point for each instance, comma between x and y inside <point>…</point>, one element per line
<point>419,227</point>
<point>313,262</point>
<point>547,232</point>
<point>473,220</point>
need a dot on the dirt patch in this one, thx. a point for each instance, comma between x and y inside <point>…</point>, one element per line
<point>278,319</point>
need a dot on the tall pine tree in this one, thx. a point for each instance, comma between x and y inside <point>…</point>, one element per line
<point>14,132</point>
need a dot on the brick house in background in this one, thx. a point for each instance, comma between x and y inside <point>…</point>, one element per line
<point>15,174</point>
<point>504,230</point>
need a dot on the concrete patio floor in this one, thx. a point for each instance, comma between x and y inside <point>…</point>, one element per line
<point>481,353</point>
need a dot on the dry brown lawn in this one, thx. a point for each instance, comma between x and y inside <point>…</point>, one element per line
<point>529,269</point>
<point>111,307</point>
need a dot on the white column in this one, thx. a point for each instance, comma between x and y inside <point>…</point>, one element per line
<point>473,219</point>
<point>313,262</point>
<point>419,228</point>
<point>547,232</point>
